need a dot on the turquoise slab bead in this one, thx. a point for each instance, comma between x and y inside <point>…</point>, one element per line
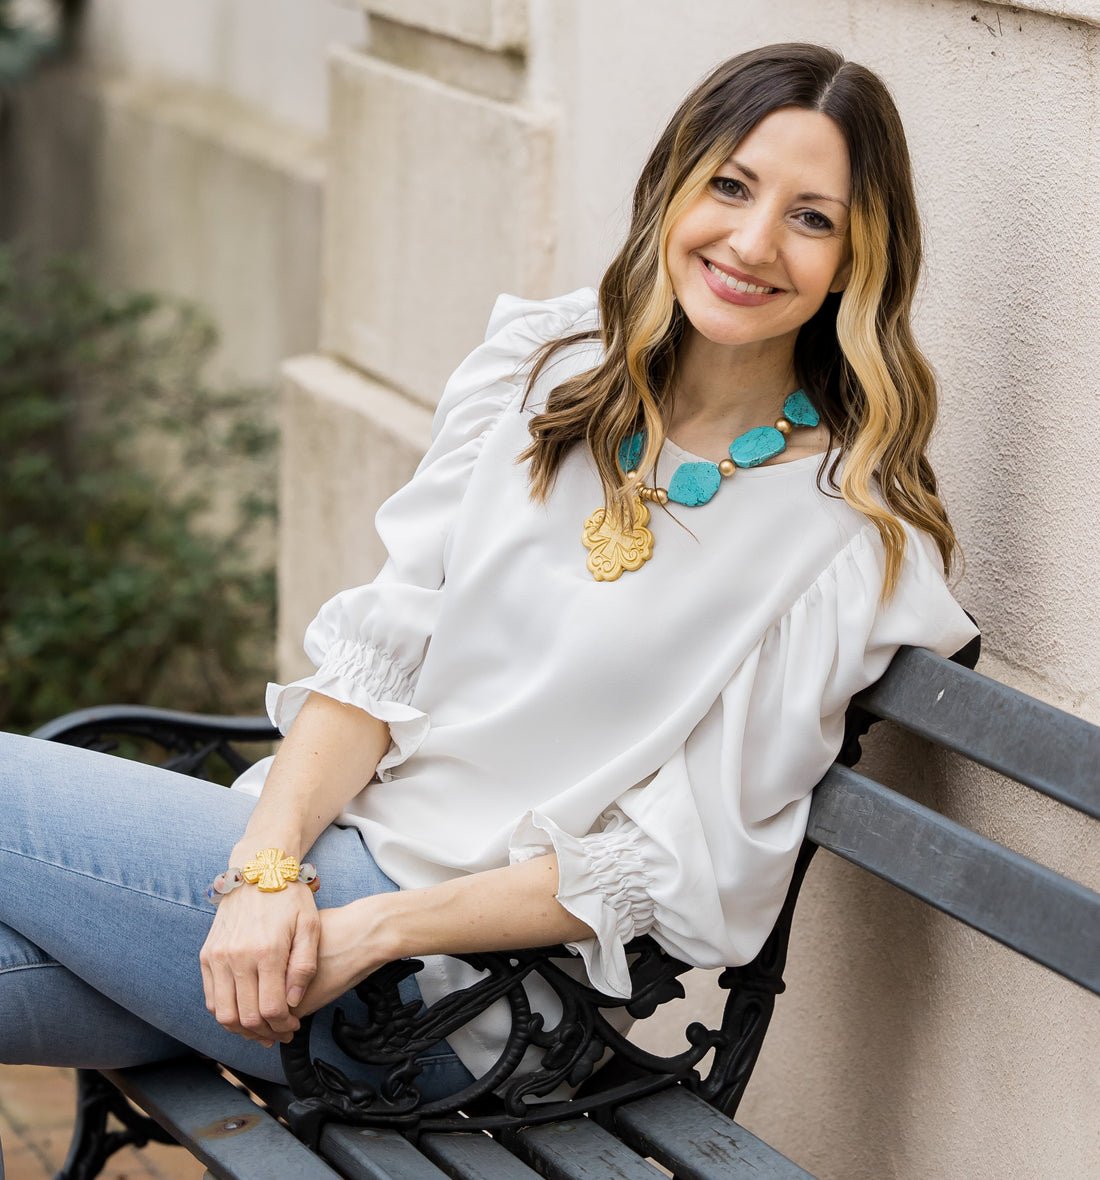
<point>757,446</point>
<point>694,483</point>
<point>799,410</point>
<point>630,451</point>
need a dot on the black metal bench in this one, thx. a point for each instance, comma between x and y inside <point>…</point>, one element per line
<point>638,1105</point>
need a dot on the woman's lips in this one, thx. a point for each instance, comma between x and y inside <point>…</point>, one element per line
<point>719,281</point>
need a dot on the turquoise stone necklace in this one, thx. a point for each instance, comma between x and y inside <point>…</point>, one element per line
<point>615,547</point>
<point>693,484</point>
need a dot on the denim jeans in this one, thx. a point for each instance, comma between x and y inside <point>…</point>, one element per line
<point>105,864</point>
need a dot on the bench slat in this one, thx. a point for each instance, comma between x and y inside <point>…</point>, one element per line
<point>580,1149</point>
<point>218,1123</point>
<point>474,1157</point>
<point>369,1153</point>
<point>360,1152</point>
<point>1024,905</point>
<point>1032,742</point>
<point>697,1142</point>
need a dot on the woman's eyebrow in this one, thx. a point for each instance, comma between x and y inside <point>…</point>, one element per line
<point>750,175</point>
<point>821,197</point>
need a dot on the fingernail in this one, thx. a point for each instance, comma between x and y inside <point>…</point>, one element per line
<point>294,996</point>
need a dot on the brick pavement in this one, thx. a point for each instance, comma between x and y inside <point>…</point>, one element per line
<point>36,1119</point>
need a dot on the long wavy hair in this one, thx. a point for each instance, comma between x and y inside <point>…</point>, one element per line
<point>856,357</point>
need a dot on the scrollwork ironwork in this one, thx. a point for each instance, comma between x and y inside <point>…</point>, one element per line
<point>583,1049</point>
<point>395,1033</point>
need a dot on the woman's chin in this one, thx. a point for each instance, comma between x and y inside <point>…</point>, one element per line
<point>726,331</point>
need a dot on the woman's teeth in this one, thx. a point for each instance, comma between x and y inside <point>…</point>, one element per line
<point>737,284</point>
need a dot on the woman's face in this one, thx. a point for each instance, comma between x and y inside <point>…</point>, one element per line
<point>752,259</point>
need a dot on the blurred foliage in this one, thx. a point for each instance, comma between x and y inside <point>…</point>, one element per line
<point>134,502</point>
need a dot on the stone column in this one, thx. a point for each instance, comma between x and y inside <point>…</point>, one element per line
<point>438,199</point>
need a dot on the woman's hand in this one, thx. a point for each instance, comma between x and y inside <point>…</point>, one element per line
<point>259,959</point>
<point>262,949</point>
<point>351,947</point>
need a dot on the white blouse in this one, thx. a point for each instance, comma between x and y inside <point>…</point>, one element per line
<point>660,733</point>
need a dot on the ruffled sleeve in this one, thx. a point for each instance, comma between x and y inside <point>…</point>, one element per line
<point>368,643</point>
<point>701,854</point>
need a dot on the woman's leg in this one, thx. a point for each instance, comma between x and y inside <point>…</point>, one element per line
<point>105,864</point>
<point>49,1016</point>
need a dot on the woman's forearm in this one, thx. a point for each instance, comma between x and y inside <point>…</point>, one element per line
<point>500,909</point>
<point>327,757</point>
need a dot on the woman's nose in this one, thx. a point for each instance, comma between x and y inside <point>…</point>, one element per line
<point>754,237</point>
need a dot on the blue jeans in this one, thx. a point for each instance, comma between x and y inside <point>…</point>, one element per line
<point>104,865</point>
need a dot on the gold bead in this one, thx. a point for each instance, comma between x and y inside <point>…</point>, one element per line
<point>727,467</point>
<point>783,426</point>
<point>662,495</point>
<point>643,492</point>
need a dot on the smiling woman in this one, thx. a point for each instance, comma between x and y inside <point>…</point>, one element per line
<point>460,783</point>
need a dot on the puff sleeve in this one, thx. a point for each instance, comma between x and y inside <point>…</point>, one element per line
<point>700,855</point>
<point>368,642</point>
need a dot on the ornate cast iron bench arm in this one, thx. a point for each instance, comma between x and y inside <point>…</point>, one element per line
<point>194,744</point>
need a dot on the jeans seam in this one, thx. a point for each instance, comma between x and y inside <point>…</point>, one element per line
<point>29,966</point>
<point>186,905</point>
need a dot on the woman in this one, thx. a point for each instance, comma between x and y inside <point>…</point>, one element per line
<point>660,539</point>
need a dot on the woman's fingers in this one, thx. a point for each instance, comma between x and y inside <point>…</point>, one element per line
<point>302,965</point>
<point>245,1000</point>
<point>253,947</point>
<point>341,962</point>
<point>207,981</point>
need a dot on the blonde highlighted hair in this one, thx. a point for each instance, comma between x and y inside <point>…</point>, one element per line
<point>856,357</point>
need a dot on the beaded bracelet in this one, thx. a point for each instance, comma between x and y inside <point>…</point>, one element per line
<point>269,870</point>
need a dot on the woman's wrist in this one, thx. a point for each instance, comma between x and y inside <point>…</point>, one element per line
<point>288,843</point>
<point>379,929</point>
<point>271,870</point>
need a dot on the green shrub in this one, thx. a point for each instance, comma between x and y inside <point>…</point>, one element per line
<point>136,505</point>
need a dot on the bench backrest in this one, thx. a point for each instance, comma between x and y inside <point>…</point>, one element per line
<point>1026,906</point>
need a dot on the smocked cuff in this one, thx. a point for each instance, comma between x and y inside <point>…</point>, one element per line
<point>603,880</point>
<point>367,677</point>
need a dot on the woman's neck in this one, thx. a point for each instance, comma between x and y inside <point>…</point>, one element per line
<point>721,391</point>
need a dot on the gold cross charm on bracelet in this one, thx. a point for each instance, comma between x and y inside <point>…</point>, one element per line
<point>269,870</point>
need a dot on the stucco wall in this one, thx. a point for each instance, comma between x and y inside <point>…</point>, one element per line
<point>268,55</point>
<point>905,1046</point>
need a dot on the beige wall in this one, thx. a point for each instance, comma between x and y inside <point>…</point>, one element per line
<point>183,150</point>
<point>489,145</point>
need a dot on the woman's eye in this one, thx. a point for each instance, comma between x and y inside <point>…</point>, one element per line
<point>814,220</point>
<point>727,186</point>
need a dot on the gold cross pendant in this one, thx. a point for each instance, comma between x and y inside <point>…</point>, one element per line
<point>614,547</point>
<point>269,870</point>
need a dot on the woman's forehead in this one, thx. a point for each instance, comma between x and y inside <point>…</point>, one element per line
<point>797,148</point>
